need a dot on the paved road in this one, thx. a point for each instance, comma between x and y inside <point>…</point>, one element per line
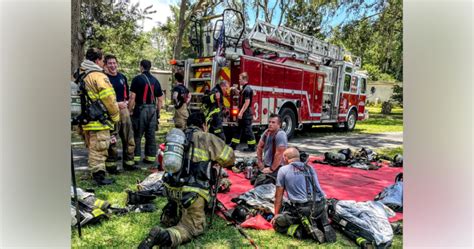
<point>312,145</point>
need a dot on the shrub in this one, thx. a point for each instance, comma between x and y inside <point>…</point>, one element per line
<point>397,95</point>
<point>387,107</point>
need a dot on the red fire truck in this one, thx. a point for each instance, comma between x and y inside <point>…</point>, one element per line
<point>305,80</point>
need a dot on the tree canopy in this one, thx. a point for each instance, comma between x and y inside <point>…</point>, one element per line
<point>371,29</point>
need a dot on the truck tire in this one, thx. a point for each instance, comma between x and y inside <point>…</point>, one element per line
<point>288,121</point>
<point>350,124</point>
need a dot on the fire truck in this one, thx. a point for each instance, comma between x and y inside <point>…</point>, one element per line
<point>305,80</point>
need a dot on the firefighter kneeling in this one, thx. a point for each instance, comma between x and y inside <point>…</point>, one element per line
<point>187,161</point>
<point>306,215</point>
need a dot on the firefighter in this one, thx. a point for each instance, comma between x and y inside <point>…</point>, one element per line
<point>187,189</point>
<point>306,213</point>
<point>181,98</point>
<point>97,133</point>
<point>125,128</point>
<point>214,103</point>
<point>245,116</point>
<point>146,100</point>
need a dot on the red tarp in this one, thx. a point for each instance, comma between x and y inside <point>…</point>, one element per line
<point>342,183</point>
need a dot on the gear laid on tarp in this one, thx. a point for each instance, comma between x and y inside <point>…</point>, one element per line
<point>342,183</point>
<point>346,183</point>
<point>364,222</point>
<point>392,196</point>
<point>362,159</point>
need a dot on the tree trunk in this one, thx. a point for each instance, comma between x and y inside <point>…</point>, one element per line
<point>181,21</point>
<point>77,39</point>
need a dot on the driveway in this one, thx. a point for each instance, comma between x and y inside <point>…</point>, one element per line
<point>312,145</point>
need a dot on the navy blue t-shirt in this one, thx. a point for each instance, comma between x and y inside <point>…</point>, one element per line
<point>246,93</point>
<point>143,93</point>
<point>120,84</point>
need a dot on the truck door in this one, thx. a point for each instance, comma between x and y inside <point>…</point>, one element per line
<point>362,97</point>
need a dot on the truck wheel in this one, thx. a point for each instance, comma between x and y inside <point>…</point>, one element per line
<point>350,124</point>
<point>288,122</point>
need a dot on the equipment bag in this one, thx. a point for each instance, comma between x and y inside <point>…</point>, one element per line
<point>366,223</point>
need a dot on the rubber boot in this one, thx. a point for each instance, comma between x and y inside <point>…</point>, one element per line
<point>158,237</point>
<point>329,234</point>
<point>112,170</point>
<point>99,178</point>
<point>130,167</point>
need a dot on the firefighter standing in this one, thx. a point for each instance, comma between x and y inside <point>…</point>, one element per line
<point>306,214</point>
<point>181,98</point>
<point>146,99</point>
<point>97,133</point>
<point>245,115</point>
<point>187,189</point>
<point>125,128</point>
<point>214,103</point>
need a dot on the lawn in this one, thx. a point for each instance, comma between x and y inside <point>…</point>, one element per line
<point>128,230</point>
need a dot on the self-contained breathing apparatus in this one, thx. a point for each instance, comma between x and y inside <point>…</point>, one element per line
<point>90,110</point>
<point>184,180</point>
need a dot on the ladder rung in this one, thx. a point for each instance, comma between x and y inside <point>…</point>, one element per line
<point>200,79</point>
<point>202,64</point>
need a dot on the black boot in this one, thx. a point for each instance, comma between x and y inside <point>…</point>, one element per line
<point>112,170</point>
<point>99,178</point>
<point>329,234</point>
<point>130,167</point>
<point>157,236</point>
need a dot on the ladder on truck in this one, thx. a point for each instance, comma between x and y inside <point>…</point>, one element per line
<point>292,43</point>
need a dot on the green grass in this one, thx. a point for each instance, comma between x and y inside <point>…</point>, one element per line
<point>128,230</point>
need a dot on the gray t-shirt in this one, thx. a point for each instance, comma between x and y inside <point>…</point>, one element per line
<point>292,178</point>
<point>268,153</point>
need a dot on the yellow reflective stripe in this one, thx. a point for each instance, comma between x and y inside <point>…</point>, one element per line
<point>137,158</point>
<point>201,155</point>
<point>110,164</point>
<point>175,237</point>
<point>106,92</point>
<point>150,158</point>
<point>95,125</point>
<point>252,142</point>
<point>236,140</point>
<point>92,95</point>
<point>213,98</point>
<point>96,212</point>
<point>98,203</point>
<point>360,240</point>
<point>217,131</point>
<point>209,116</point>
<point>292,229</point>
<point>225,153</point>
<point>203,193</point>
<point>130,162</point>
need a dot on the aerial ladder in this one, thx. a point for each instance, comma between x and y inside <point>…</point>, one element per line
<point>262,39</point>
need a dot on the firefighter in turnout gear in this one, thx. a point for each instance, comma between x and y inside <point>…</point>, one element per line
<point>146,100</point>
<point>245,116</point>
<point>305,216</point>
<point>181,98</point>
<point>213,106</point>
<point>187,187</point>
<point>97,132</point>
